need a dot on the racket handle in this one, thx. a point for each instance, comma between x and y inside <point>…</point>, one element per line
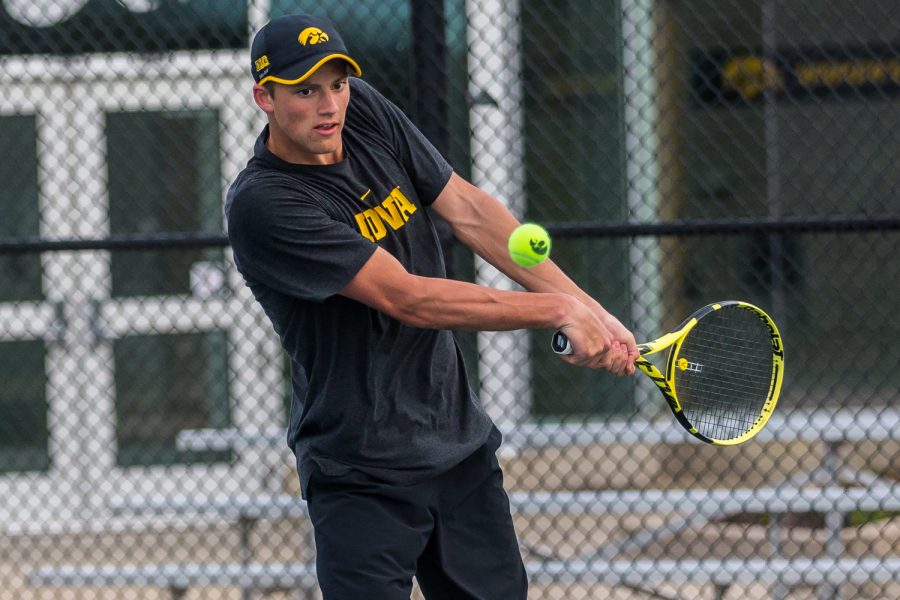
<point>560,343</point>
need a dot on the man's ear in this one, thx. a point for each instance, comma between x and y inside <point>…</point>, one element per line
<point>263,98</point>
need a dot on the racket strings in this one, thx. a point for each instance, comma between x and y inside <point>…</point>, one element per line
<point>724,372</point>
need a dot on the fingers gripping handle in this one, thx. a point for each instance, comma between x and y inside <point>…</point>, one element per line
<point>560,343</point>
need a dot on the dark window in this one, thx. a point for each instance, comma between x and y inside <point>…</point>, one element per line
<point>164,384</point>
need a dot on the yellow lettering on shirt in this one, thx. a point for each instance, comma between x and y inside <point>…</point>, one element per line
<point>389,214</point>
<point>402,203</point>
<point>371,225</point>
<point>393,212</point>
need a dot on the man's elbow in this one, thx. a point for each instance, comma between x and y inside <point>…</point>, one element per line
<point>410,304</point>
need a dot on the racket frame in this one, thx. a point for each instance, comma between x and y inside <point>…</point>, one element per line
<point>666,382</point>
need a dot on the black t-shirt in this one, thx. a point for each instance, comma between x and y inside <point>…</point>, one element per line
<point>369,393</point>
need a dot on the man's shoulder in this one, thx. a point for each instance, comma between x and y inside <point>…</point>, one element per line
<point>256,186</point>
<point>365,99</point>
<point>250,182</point>
<point>362,89</point>
<point>255,174</point>
<point>260,179</point>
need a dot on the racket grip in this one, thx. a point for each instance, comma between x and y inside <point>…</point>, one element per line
<point>560,343</point>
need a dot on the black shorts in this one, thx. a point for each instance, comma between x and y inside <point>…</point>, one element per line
<point>453,532</point>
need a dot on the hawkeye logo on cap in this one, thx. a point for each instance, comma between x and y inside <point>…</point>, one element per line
<point>312,36</point>
<point>261,63</point>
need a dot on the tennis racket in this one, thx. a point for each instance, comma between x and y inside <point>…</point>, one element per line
<point>723,372</point>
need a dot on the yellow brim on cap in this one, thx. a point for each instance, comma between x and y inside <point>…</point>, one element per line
<point>356,69</point>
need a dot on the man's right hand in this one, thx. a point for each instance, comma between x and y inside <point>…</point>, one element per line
<point>595,344</point>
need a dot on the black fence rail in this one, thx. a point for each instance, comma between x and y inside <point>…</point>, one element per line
<point>680,228</point>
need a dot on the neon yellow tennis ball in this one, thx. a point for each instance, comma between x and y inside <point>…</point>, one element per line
<point>529,244</point>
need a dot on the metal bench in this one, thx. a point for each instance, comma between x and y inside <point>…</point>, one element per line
<point>698,506</point>
<point>779,499</point>
<point>720,573</point>
<point>819,425</point>
<point>246,510</point>
<point>229,506</point>
<point>684,508</point>
<point>832,427</point>
<point>179,578</point>
<point>826,425</point>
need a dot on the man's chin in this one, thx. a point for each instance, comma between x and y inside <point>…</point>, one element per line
<point>328,153</point>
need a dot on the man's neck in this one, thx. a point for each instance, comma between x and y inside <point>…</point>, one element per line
<point>291,153</point>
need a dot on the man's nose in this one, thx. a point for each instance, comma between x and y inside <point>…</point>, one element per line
<point>329,103</point>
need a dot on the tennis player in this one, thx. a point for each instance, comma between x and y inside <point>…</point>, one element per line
<point>329,229</point>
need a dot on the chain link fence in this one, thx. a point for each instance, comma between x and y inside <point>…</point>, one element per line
<point>680,152</point>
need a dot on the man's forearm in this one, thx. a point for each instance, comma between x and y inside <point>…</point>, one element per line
<point>447,304</point>
<point>438,303</point>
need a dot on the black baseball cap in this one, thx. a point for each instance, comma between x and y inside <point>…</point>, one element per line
<point>289,49</point>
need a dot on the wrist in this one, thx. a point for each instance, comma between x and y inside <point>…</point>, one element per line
<point>564,310</point>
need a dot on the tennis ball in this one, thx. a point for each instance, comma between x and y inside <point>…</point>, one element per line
<point>529,244</point>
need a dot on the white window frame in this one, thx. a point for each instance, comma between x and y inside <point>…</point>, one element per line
<point>70,99</point>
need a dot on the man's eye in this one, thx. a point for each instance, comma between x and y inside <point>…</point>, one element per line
<point>340,85</point>
<point>303,92</point>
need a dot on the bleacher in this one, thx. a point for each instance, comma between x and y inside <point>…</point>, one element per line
<point>832,489</point>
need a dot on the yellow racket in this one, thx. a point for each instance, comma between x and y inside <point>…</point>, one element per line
<point>723,372</point>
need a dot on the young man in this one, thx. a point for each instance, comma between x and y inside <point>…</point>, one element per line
<point>327,223</point>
